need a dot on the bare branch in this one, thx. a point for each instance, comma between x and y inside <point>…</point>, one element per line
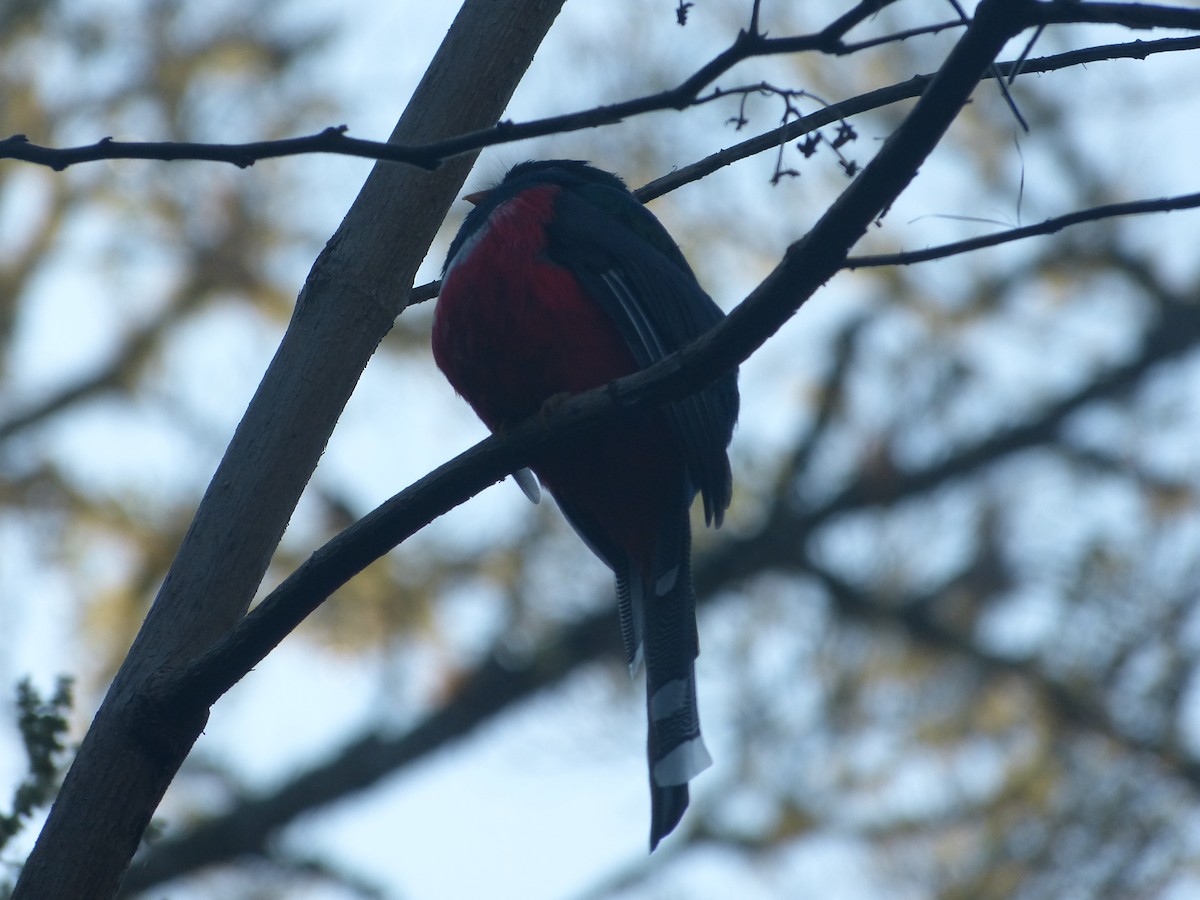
<point>330,140</point>
<point>779,544</point>
<point>886,96</point>
<point>1049,226</point>
<point>1070,705</point>
<point>429,156</point>
<point>160,699</point>
<point>835,112</point>
<point>1130,15</point>
<point>747,45</point>
<point>126,763</point>
<point>806,266</point>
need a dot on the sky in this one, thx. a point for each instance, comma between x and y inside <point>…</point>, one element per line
<point>576,798</point>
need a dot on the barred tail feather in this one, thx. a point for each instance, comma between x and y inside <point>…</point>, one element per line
<point>675,750</point>
<point>676,753</point>
<point>630,612</point>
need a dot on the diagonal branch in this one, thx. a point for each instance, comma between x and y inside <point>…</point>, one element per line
<point>1069,704</point>
<point>876,99</point>
<point>352,296</point>
<point>913,87</point>
<point>806,266</point>
<point>780,544</point>
<point>159,701</point>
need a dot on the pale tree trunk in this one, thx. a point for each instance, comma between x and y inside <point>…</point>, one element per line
<point>354,291</point>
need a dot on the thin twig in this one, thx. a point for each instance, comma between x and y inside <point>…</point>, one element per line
<point>746,46</point>
<point>1049,226</point>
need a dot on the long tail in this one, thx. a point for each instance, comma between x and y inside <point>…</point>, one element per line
<point>675,751</point>
<point>666,615</point>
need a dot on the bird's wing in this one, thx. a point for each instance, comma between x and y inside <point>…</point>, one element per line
<point>629,265</point>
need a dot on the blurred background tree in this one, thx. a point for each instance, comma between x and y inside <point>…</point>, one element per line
<point>948,634</point>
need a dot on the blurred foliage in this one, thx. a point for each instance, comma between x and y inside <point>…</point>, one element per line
<point>42,723</point>
<point>949,631</point>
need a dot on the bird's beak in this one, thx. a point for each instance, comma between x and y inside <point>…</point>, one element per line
<point>474,198</point>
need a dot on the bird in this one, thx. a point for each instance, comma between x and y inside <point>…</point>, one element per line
<point>558,281</point>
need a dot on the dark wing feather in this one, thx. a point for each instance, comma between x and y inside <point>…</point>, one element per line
<point>629,265</point>
<point>630,591</point>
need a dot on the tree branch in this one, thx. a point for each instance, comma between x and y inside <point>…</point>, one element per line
<point>1069,704</point>
<point>1052,225</point>
<point>329,140</point>
<point>141,733</point>
<point>846,109</point>
<point>805,267</point>
<point>747,45</point>
<point>1129,15</point>
<point>495,684</point>
<point>353,294</point>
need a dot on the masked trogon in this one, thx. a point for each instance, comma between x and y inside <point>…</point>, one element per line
<point>559,281</point>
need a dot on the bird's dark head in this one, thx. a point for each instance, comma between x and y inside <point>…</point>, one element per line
<point>568,174</point>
